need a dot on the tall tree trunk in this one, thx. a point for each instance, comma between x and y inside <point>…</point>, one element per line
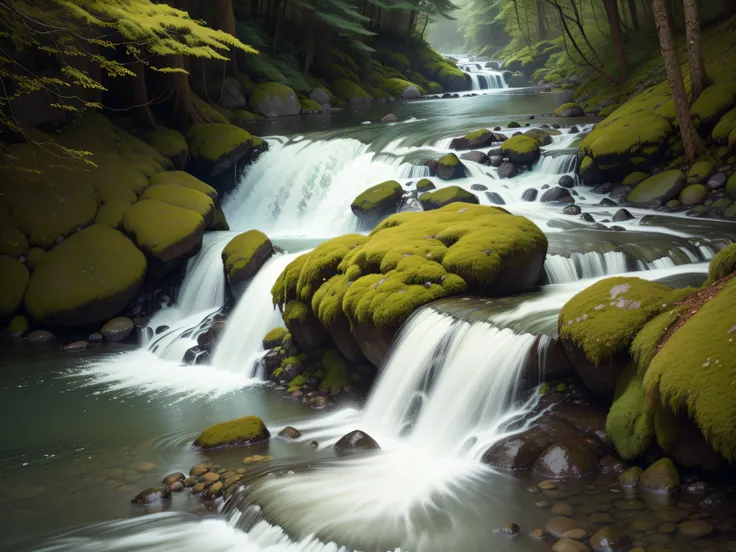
<point>690,138</point>
<point>617,38</point>
<point>182,95</point>
<point>412,20</point>
<point>279,13</point>
<point>141,103</point>
<point>634,14</point>
<point>254,9</point>
<point>541,27</point>
<point>698,76</point>
<point>226,22</point>
<point>425,25</point>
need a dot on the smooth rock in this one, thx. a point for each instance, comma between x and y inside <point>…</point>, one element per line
<point>558,195</point>
<point>610,539</point>
<point>117,329</point>
<point>661,477</point>
<point>569,545</point>
<point>507,170</point>
<point>566,181</point>
<point>154,495</point>
<point>694,529</point>
<point>290,432</point>
<point>717,181</point>
<point>530,194</point>
<point>356,441</point>
<point>572,210</point>
<point>622,215</point>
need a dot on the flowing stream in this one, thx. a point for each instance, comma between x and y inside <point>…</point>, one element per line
<point>448,389</point>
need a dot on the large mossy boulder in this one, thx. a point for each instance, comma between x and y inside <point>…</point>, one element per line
<point>521,150</point>
<point>187,198</point>
<point>111,213</point>
<point>700,172</point>
<point>234,433</point>
<point>272,99</point>
<point>598,325</point>
<point>12,242</point>
<point>723,264</point>
<point>473,140</point>
<point>185,180</point>
<point>216,147</point>
<point>694,194</point>
<point>658,189</point>
<point>378,201</point>
<point>166,233</point>
<point>569,110</point>
<point>446,74</point>
<point>13,282</point>
<point>629,423</point>
<point>403,89</point>
<point>349,92</point>
<point>87,279</point>
<point>245,254</point>
<point>171,144</point>
<point>445,196</point>
<point>714,102</point>
<point>371,284</point>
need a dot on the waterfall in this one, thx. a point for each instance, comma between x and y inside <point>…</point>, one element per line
<point>561,163</point>
<point>483,79</point>
<point>582,266</point>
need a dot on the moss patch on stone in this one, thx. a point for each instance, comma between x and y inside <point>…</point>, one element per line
<point>712,104</point>
<point>171,144</point>
<point>185,180</point>
<point>12,242</point>
<point>724,127</point>
<point>445,196</point>
<point>310,106</point>
<point>521,149</point>
<point>243,431</point>
<point>336,371</point>
<point>274,337</point>
<point>13,282</point>
<point>723,264</point>
<point>634,178</point>
<point>425,185</point>
<point>629,422</point>
<point>694,194</point>
<point>186,198</point>
<point>608,110</point>
<point>244,255</point>
<point>659,188</point>
<point>377,201</point>
<point>348,91</point>
<point>111,213</point>
<point>700,172</point>
<point>214,147</point>
<point>646,343</point>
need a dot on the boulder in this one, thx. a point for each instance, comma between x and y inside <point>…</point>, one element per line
<point>475,157</point>
<point>216,148</point>
<point>566,181</point>
<point>572,210</point>
<point>18,326</point>
<point>660,478</point>
<point>630,478</point>
<point>569,110</point>
<point>274,338</point>
<point>516,453</point>
<point>717,181</point>
<point>321,96</point>
<point>557,195</point>
<point>449,167</point>
<point>622,215</point>
<point>610,539</point>
<point>231,94</point>
<point>425,185</point>
<point>540,135</point>
<point>349,92</point>
<point>712,104</point>
<point>558,526</point>
<point>186,198</point>
<point>569,545</point>
<point>508,170</point>
<point>378,201</point>
<point>658,189</point>
<point>12,242</point>
<point>445,196</point>
<point>112,213</point>
<point>39,337</point>
<point>700,172</point>
<point>390,118</point>
<point>479,188</point>
<point>185,180</point>
<point>117,329</point>
<point>356,441</point>
<point>495,160</point>
<point>234,433</point>
<point>87,279</point>
<point>14,282</point>
<point>245,254</point>
<point>530,194</point>
<point>694,194</point>
<point>272,99</point>
<point>521,150</point>
<point>402,89</point>
<point>566,459</point>
<point>473,140</point>
<point>171,144</point>
<point>155,495</point>
<point>290,433</point>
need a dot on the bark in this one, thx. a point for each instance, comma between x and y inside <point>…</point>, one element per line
<point>690,139</point>
<point>225,16</point>
<point>425,25</point>
<point>698,76</point>
<point>633,13</point>
<point>541,27</point>
<point>254,8</point>
<point>617,38</point>
<point>142,105</point>
<point>412,20</point>
<point>182,95</point>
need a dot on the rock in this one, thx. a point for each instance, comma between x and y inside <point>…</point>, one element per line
<point>547,485</point>
<point>693,194</point>
<point>478,188</point>
<point>610,539</point>
<point>390,118</point>
<point>38,337</point>
<point>75,346</point>
<point>700,172</point>
<point>580,535</point>
<point>172,478</point>
<point>444,196</point>
<point>117,329</point>
<point>717,181</point>
<point>349,92</point>
<point>243,431</point>
<point>572,210</point>
<point>232,94</point>
<point>216,147</point>
<point>272,99</point>
<point>507,170</point>
<point>622,215</point>
<point>475,157</point>
<point>12,242</point>
<point>557,526</point>
<point>569,545</point>
<point>515,453</point>
<point>290,432</point>
<point>658,189</point>
<point>274,338</point>
<point>356,441</point>
<point>18,326</point>
<point>425,185</point>
<point>169,143</point>
<point>569,110</point>
<point>509,529</point>
<point>495,161</point>
<point>319,401</point>
<point>613,465</point>
<point>449,167</point>
<point>694,529</point>
<point>154,495</point>
<point>529,194</point>
<point>378,201</point>
<point>322,97</point>
<point>513,124</point>
<point>256,459</point>
<point>606,202</point>
<point>538,534</point>
<point>245,254</point>
<point>558,195</point>
<point>573,130</point>
<point>521,150</point>
<point>540,135</point>
<point>476,139</point>
<point>566,181</point>
<point>86,280</point>
<point>185,197</point>
<point>14,280</point>
<point>565,459</point>
<point>563,509</point>
<point>661,477</point>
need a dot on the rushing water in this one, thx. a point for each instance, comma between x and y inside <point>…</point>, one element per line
<point>447,390</point>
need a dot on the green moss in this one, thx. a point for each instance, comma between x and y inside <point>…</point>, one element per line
<point>658,188</point>
<point>425,185</point>
<point>521,144</point>
<point>244,255</point>
<point>111,213</point>
<point>13,282</point>
<point>336,371</point>
<point>12,242</point>
<point>605,317</point>
<point>87,279</point>
<point>185,180</point>
<point>480,133</point>
<point>284,289</point>
<point>713,103</point>
<point>35,254</point>
<point>295,311</point>
<point>629,423</point>
<point>700,172</point>
<point>646,343</point>
<point>113,191</point>
<point>723,264</point>
<point>169,143</point>
<point>561,387</point>
<point>564,107</point>
<point>18,326</point>
<point>445,196</point>
<point>349,91</point>
<point>608,110</point>
<point>210,113</point>
<point>186,198</point>
<point>309,106</point>
<point>724,127</point>
<point>731,186</point>
<point>213,142</point>
<point>241,116</point>
<point>544,388</point>
<point>243,431</point>
<point>296,383</point>
<point>694,194</point>
<point>396,86</point>
<point>399,60</point>
<point>377,201</point>
<point>635,178</point>
<point>695,370</point>
<point>449,160</point>
<point>434,88</point>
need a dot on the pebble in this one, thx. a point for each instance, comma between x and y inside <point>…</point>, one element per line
<point>690,530</point>
<point>569,545</point>
<point>563,509</point>
<point>542,504</point>
<point>667,528</point>
<point>534,489</point>
<point>547,485</point>
<point>144,466</point>
<point>509,529</point>
<point>538,534</point>
<point>579,534</point>
<point>256,458</point>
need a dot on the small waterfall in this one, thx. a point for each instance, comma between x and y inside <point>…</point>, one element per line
<point>562,163</point>
<point>240,345</point>
<point>483,79</point>
<point>582,266</point>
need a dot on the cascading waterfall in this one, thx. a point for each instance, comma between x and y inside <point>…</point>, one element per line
<point>483,78</point>
<point>582,266</point>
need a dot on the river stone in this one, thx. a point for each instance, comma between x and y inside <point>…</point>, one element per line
<point>356,441</point>
<point>569,545</point>
<point>693,529</point>
<point>39,336</point>
<point>558,195</point>
<point>75,346</point>
<point>658,189</point>
<point>540,136</point>
<point>572,210</point>
<point>521,150</point>
<point>172,478</point>
<point>604,188</point>
<point>717,181</point>
<point>475,157</point>
<point>538,534</point>
<point>563,509</point>
<point>693,194</point>
<point>566,181</point>
<point>507,170</point>
<point>515,453</point>
<point>273,99</point>
<point>290,432</point>
<point>610,539</point>
<point>580,535</point>
<point>509,529</point>
<point>478,188</point>
<point>557,526</point>
<point>95,337</point>
<point>622,215</point>
<point>565,459</point>
<point>530,194</point>
<point>117,329</point>
<point>495,160</point>
<point>661,477</point>
<point>154,495</point>
<point>495,198</point>
<point>321,96</point>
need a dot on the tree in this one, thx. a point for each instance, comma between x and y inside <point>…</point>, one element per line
<point>634,14</point>
<point>541,27</point>
<point>698,76</point>
<point>690,139</point>
<point>614,22</point>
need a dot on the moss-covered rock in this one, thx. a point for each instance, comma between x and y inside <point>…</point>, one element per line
<point>473,140</point>
<point>350,92</point>
<point>215,148</point>
<point>629,422</point>
<point>694,194</point>
<point>245,254</point>
<point>634,178</point>
<point>12,242</point>
<point>661,477</point>
<point>166,233</point>
<point>377,201</point>
<point>274,338</point>
<point>425,185</point>
<point>35,254</point>
<point>731,186</point>
<point>18,326</point>
<point>724,128</point>
<point>242,117</point>
<point>723,264</point>
<point>171,144</point>
<point>715,101</point>
<point>658,189</point>
<point>700,172</point>
<point>235,433</point>
<point>449,167</point>
<point>185,180</point>
<point>541,135</point>
<point>598,324</point>
<point>694,371</point>
<point>445,196</point>
<point>87,279</point>
<point>13,282</point>
<point>608,110</point>
<point>447,75</point>
<point>403,89</point>
<point>521,150</point>
<point>186,198</point>
<point>111,213</point>
<point>310,106</point>
<point>569,110</point>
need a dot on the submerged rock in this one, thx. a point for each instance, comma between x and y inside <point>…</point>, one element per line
<point>154,495</point>
<point>356,441</point>
<point>290,432</point>
<point>610,539</point>
<point>243,431</point>
<point>565,460</point>
<point>661,477</point>
<point>508,170</point>
<point>530,194</point>
<point>117,329</point>
<point>558,195</point>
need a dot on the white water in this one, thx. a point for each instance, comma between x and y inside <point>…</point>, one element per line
<point>582,266</point>
<point>482,78</point>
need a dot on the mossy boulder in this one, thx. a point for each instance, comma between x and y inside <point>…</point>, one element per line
<point>447,167</point>
<point>12,242</point>
<point>274,338</point>
<point>215,148</point>
<point>310,106</point>
<point>723,264</point>
<point>87,279</point>
<point>731,186</point>
<point>658,189</point>
<point>171,144</point>
<point>349,92</point>
<point>372,284</point>
<point>540,135</point>
<point>185,180</point>
<point>445,196</point>
<point>378,201</point>
<point>521,150</point>
<point>724,128</point>
<point>700,172</point>
<point>473,140</point>
<point>18,326</point>
<point>569,110</point>
<point>186,198</point>
<point>629,422</point>
<point>425,185</point>
<point>403,89</point>
<point>715,102</point>
<point>634,178</point>
<point>272,99</point>
<point>245,254</point>
<point>321,95</point>
<point>608,110</point>
<point>598,324</point>
<point>660,478</point>
<point>13,282</point>
<point>166,233</point>
<point>111,213</point>
<point>694,194</point>
<point>446,74</point>
<point>235,433</point>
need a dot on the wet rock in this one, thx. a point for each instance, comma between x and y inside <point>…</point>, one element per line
<point>515,453</point>
<point>606,202</point>
<point>495,161</point>
<point>580,535</point>
<point>558,195</point>
<point>390,118</point>
<point>495,198</point>
<point>210,477</point>
<point>572,210</point>
<point>190,482</point>
<point>38,337</point>
<point>622,215</point>
<point>514,124</point>
<point>538,534</point>
<point>290,432</point>
<point>75,346</point>
<point>611,464</point>
<point>154,495</point>
<point>475,157</point>
<point>566,459</point>
<point>610,539</point>
<point>695,529</point>
<point>587,217</point>
<point>319,401</point>
<point>604,188</point>
<point>618,228</point>
<point>558,526</point>
<point>661,477</point>
<point>95,337</point>
<point>569,545</point>
<point>356,441</point>
<point>574,130</point>
<point>534,489</point>
<point>563,509</point>
<point>507,170</point>
<point>695,487</point>
<point>529,194</point>
<point>478,188</point>
<point>176,487</point>
<point>117,329</point>
<point>199,469</point>
<point>256,459</point>
<point>717,181</point>
<point>667,528</point>
<point>547,485</point>
<point>566,182</point>
<point>713,500</point>
<point>601,518</point>
<point>509,529</point>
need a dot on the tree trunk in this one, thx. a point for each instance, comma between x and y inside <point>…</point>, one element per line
<point>182,94</point>
<point>729,6</point>
<point>541,27</point>
<point>279,12</point>
<point>225,16</point>
<point>667,43</point>
<point>412,20</point>
<point>698,76</point>
<point>425,25</point>
<point>308,41</point>
<point>634,14</point>
<point>617,38</point>
<point>142,105</point>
